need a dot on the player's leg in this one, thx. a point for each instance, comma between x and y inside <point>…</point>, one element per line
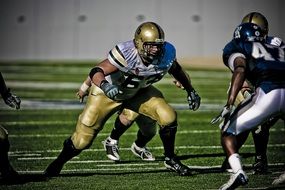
<point>152,104</point>
<point>97,109</point>
<point>6,170</point>
<point>246,117</point>
<point>240,140</point>
<point>147,130</point>
<point>123,121</point>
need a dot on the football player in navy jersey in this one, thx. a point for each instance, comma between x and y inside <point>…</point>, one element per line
<point>124,81</point>
<point>261,134</point>
<point>8,174</point>
<point>263,66</point>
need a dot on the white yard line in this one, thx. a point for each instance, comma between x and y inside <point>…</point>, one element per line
<point>37,152</point>
<point>74,104</point>
<point>106,134</point>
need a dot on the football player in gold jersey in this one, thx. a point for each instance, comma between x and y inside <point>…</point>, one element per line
<point>125,118</point>
<point>124,81</point>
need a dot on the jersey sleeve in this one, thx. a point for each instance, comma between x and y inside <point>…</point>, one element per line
<point>117,58</point>
<point>230,52</point>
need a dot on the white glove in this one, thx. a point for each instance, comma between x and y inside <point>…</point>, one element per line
<point>276,41</point>
<point>224,115</point>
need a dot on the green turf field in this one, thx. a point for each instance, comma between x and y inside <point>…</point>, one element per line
<point>49,113</point>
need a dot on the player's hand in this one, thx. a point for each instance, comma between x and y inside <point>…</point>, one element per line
<point>83,92</point>
<point>276,41</point>
<point>12,100</point>
<point>224,115</point>
<point>193,100</point>
<point>110,90</point>
<point>81,95</point>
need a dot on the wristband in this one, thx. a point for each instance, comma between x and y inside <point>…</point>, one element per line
<point>84,87</point>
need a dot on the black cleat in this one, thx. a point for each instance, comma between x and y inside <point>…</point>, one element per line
<point>175,165</point>
<point>53,169</point>
<point>260,166</point>
<point>235,181</point>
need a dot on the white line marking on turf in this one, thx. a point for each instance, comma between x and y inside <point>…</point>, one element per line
<point>71,104</point>
<point>125,134</point>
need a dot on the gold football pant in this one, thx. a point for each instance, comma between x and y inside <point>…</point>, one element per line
<point>148,101</point>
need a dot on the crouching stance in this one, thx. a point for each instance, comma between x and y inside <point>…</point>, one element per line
<point>249,57</point>
<point>124,80</point>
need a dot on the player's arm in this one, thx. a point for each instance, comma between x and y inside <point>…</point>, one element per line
<point>181,76</point>
<point>184,79</point>
<point>237,81</point>
<point>97,75</point>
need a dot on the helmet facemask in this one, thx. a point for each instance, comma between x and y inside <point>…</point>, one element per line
<point>151,51</point>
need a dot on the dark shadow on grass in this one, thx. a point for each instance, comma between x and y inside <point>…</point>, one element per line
<point>185,157</point>
<point>114,173</point>
<point>22,179</point>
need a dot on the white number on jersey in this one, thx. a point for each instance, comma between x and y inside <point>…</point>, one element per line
<point>258,51</point>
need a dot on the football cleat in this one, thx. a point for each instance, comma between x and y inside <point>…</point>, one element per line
<point>53,169</point>
<point>260,166</point>
<point>143,153</point>
<point>235,181</point>
<point>279,180</point>
<point>175,165</point>
<point>112,148</point>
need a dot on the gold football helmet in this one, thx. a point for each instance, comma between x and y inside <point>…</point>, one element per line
<point>147,35</point>
<point>257,18</point>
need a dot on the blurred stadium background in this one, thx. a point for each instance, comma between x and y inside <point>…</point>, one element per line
<point>87,29</point>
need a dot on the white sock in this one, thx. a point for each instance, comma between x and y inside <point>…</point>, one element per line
<point>235,162</point>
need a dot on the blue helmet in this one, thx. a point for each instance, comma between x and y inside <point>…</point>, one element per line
<point>249,32</point>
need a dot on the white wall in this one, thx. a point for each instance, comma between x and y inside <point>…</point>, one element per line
<point>88,29</point>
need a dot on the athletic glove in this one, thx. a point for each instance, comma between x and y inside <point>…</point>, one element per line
<point>224,115</point>
<point>193,100</point>
<point>12,100</point>
<point>110,90</point>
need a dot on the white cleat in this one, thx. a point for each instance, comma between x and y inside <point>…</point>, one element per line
<point>143,153</point>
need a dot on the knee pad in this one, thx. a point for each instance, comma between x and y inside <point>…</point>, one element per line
<point>167,117</point>
<point>83,136</point>
<point>127,117</point>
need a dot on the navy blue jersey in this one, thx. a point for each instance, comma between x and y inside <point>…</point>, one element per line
<point>265,62</point>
